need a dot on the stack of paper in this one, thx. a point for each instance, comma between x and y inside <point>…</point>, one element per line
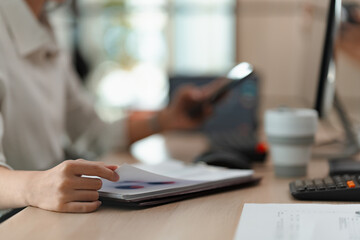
<point>153,184</point>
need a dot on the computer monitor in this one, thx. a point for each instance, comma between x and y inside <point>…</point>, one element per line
<point>323,20</point>
<point>320,73</point>
<point>326,83</point>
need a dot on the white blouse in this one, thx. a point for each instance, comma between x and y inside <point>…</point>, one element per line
<point>41,100</point>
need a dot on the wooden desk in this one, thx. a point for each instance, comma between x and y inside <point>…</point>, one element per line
<point>210,217</point>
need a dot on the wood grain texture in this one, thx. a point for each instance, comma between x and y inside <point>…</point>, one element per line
<point>210,217</point>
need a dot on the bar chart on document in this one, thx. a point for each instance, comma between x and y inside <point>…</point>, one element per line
<point>299,222</point>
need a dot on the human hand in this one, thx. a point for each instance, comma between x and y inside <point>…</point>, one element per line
<point>63,189</point>
<point>176,115</point>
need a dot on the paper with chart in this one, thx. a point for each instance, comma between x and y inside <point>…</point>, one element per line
<point>299,222</point>
<point>141,180</point>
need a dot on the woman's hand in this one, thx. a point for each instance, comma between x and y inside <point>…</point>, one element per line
<point>63,189</point>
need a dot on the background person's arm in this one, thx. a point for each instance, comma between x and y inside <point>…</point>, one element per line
<point>88,132</point>
<point>349,41</point>
<point>173,117</point>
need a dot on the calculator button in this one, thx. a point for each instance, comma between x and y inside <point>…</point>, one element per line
<point>319,184</point>
<point>329,182</point>
<point>347,177</point>
<point>299,185</point>
<point>337,179</point>
<point>350,184</point>
<point>309,182</point>
<point>309,185</point>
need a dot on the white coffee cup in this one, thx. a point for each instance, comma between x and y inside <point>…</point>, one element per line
<point>291,134</point>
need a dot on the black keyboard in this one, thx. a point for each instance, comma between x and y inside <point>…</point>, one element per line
<point>334,188</point>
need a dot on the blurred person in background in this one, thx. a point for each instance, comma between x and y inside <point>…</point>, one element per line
<point>41,101</point>
<point>349,37</point>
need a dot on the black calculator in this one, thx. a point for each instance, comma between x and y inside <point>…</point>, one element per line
<point>333,188</point>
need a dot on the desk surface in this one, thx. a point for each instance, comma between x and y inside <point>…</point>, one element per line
<point>210,217</point>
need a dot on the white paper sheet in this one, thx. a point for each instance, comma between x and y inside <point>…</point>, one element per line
<point>141,179</point>
<point>299,222</point>
<point>193,172</point>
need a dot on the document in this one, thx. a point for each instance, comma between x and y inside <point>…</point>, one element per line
<point>299,222</point>
<point>142,181</point>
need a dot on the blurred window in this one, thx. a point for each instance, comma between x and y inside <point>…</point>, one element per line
<point>131,46</point>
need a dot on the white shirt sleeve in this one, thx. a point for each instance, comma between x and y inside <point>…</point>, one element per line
<point>2,156</point>
<point>2,159</point>
<point>85,129</point>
